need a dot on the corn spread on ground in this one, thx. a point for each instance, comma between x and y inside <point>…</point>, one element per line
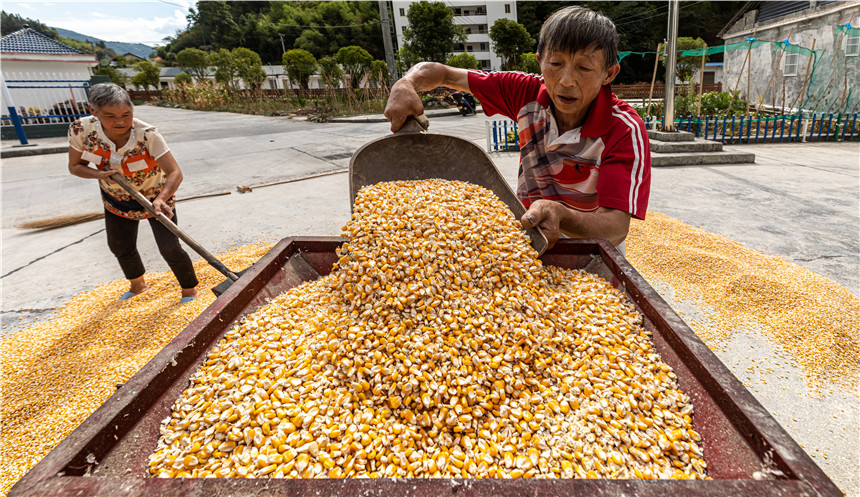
<point>58,372</point>
<point>438,347</point>
<point>812,318</point>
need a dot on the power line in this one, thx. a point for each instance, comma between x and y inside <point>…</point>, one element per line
<point>326,26</point>
<point>658,14</point>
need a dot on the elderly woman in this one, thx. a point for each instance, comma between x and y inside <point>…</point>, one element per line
<point>114,141</point>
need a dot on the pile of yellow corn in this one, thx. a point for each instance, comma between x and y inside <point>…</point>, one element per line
<point>57,372</point>
<point>813,319</point>
<point>439,346</point>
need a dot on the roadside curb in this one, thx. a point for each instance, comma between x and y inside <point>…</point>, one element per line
<point>379,118</point>
<point>10,152</point>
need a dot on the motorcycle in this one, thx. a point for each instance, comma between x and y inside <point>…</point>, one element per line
<point>466,103</point>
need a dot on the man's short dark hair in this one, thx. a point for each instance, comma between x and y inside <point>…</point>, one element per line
<point>576,28</point>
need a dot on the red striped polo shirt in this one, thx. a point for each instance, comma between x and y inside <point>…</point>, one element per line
<point>606,162</point>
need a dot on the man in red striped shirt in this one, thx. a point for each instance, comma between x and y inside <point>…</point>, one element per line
<point>585,162</point>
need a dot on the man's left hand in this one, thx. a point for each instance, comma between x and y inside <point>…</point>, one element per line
<point>161,207</point>
<point>548,215</point>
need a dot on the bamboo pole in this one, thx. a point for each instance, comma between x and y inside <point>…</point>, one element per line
<point>738,81</point>
<point>653,77</point>
<point>778,60</point>
<point>701,81</point>
<point>806,77</point>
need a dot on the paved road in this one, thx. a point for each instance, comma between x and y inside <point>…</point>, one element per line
<point>800,201</point>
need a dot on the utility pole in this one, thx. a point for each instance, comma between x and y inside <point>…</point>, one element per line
<point>387,43</point>
<point>671,56</point>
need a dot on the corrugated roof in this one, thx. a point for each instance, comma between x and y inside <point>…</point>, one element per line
<point>28,40</point>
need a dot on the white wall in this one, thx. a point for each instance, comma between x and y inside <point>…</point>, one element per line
<point>495,9</point>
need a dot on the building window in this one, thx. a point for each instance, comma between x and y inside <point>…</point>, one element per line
<point>485,64</point>
<point>402,12</point>
<point>457,11</point>
<point>507,8</point>
<point>482,28</point>
<point>852,46</point>
<point>469,48</point>
<point>790,68</point>
<point>468,30</point>
<point>485,46</point>
<point>482,11</point>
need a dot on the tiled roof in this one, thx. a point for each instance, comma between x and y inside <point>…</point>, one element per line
<point>29,41</point>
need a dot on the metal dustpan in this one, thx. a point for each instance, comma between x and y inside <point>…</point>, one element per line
<point>412,154</point>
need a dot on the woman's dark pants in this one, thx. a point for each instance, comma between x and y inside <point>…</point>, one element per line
<point>122,240</point>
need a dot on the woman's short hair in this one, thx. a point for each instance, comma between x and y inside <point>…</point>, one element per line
<point>576,28</point>
<point>108,94</point>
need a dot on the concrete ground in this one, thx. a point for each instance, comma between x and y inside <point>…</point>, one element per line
<point>799,201</point>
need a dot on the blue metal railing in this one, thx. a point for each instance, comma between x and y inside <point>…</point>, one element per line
<point>769,129</point>
<point>33,99</point>
<point>503,135</point>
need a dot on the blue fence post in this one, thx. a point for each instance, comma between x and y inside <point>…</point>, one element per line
<point>812,128</point>
<point>853,123</point>
<point>741,129</point>
<point>495,136</point>
<point>13,115</point>
<point>516,136</point>
<point>799,125</point>
<point>723,137</point>
<point>505,131</point>
<point>707,120</point>
<point>782,129</point>
<point>829,121</point>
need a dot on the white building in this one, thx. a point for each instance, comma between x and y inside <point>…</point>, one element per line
<point>476,16</point>
<point>42,73</point>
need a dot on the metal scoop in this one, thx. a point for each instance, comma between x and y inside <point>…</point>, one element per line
<point>412,154</point>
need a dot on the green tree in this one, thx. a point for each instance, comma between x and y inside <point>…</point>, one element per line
<point>214,21</point>
<point>432,34</point>
<point>120,61</point>
<point>510,40</point>
<point>355,61</point>
<point>464,61</point>
<point>9,23</point>
<point>116,76</point>
<point>686,66</point>
<point>406,58</point>
<point>249,67</point>
<point>529,63</point>
<point>330,72</point>
<point>147,74</point>
<point>299,65</point>
<point>224,63</point>
<point>378,73</point>
<point>182,79</point>
<point>194,62</point>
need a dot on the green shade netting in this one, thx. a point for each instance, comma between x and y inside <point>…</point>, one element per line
<point>846,29</point>
<point>788,47</point>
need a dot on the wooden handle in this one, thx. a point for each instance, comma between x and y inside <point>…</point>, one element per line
<point>413,125</point>
<point>176,230</point>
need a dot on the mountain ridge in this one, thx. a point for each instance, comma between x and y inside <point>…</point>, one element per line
<point>120,47</point>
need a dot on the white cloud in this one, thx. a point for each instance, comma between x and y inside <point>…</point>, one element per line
<point>114,28</point>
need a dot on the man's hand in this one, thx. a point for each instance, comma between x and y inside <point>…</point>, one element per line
<point>548,215</point>
<point>555,218</point>
<point>161,207</point>
<point>402,103</point>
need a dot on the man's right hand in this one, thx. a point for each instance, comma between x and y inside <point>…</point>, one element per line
<point>402,103</point>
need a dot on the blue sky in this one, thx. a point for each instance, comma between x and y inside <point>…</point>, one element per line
<point>129,21</point>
